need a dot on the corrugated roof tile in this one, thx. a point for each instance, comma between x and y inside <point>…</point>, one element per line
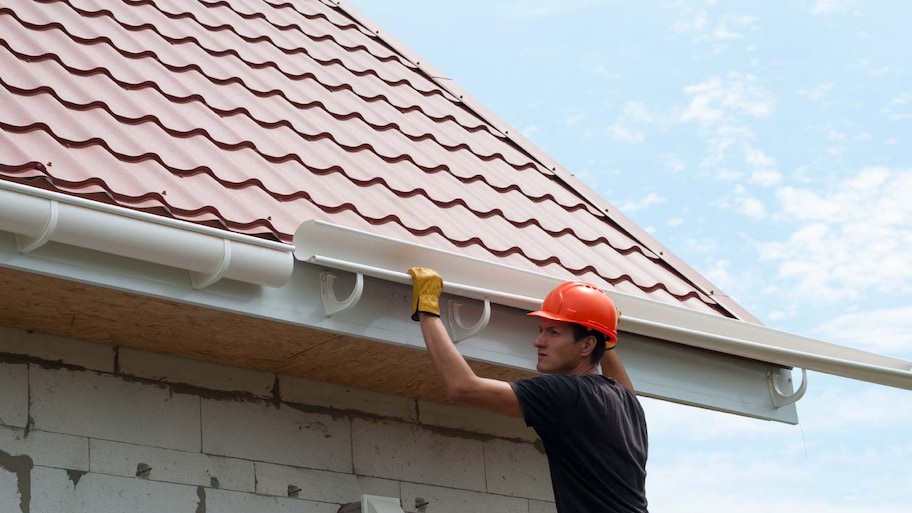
<point>255,117</point>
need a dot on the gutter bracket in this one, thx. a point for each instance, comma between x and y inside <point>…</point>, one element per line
<point>780,399</point>
<point>331,305</point>
<point>458,330</point>
<point>26,244</point>
<point>201,280</point>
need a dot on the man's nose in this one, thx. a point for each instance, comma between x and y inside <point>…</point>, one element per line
<point>539,341</point>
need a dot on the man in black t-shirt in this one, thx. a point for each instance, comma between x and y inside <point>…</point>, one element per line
<point>592,426</point>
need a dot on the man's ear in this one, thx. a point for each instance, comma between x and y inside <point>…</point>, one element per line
<point>588,345</point>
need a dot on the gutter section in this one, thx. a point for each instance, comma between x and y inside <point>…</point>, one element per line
<point>37,216</point>
<point>386,258</point>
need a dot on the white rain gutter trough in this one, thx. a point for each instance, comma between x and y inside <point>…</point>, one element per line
<point>382,257</point>
<point>37,216</point>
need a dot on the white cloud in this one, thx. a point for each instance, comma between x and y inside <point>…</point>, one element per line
<point>827,7</point>
<point>718,274</point>
<point>850,240</point>
<point>625,134</point>
<point>625,128</point>
<point>697,424</point>
<point>901,99</point>
<point>762,167</point>
<point>758,158</point>
<point>645,202</point>
<point>638,112</point>
<point>544,8</point>
<point>743,203</point>
<point>834,135</point>
<point>672,163</point>
<point>709,461</point>
<point>700,29</point>
<point>817,93</point>
<point>896,104</point>
<point>574,118</point>
<point>723,108</point>
<point>765,177</point>
<point>854,408</point>
<point>882,331</point>
<point>717,99</point>
<point>751,207</point>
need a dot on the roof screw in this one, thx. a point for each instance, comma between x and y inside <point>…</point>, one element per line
<point>421,504</point>
<point>293,491</point>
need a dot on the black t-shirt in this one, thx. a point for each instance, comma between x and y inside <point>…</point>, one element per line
<point>594,433</point>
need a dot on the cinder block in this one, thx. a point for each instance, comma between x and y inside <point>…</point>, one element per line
<point>329,395</point>
<point>449,500</point>
<point>319,485</point>
<point>87,403</point>
<point>542,507</point>
<point>214,376</point>
<point>56,491</point>
<point>52,348</point>
<point>517,469</point>
<point>286,435</point>
<point>378,486</point>
<point>477,421</point>
<point>407,452</point>
<point>13,394</point>
<point>46,449</point>
<point>191,468</point>
<point>224,501</point>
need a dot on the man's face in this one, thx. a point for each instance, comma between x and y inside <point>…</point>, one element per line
<point>557,352</point>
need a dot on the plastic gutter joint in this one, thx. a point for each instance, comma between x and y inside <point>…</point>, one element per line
<point>37,216</point>
<point>385,258</point>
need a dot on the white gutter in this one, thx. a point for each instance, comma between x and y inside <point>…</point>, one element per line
<point>386,258</point>
<point>37,216</point>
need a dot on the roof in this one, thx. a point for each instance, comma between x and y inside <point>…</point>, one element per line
<point>254,118</point>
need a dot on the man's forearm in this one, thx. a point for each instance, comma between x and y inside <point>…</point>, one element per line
<point>462,385</point>
<point>613,368</point>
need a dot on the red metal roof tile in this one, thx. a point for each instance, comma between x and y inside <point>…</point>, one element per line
<point>256,117</point>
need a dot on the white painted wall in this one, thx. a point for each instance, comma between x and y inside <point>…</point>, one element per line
<point>77,419</point>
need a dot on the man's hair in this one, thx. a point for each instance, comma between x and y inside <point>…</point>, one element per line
<point>580,332</point>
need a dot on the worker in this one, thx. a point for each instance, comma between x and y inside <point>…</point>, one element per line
<point>592,426</point>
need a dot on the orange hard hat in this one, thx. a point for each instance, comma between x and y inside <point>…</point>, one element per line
<point>581,303</point>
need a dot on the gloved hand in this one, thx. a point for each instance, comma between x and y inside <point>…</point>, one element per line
<point>426,288</point>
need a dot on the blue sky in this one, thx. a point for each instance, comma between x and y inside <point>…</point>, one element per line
<point>767,143</point>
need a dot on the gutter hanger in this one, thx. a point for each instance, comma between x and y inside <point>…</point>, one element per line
<point>385,258</point>
<point>37,216</point>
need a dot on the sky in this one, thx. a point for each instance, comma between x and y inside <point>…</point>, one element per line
<point>766,143</point>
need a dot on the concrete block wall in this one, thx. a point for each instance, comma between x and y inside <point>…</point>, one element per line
<point>94,428</point>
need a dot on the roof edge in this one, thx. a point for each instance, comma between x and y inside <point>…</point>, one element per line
<point>37,216</point>
<point>386,258</point>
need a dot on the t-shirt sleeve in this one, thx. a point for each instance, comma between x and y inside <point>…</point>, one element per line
<point>546,401</point>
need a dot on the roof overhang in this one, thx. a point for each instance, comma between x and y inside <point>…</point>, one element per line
<point>671,353</point>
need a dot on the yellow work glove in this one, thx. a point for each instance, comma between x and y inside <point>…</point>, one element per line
<point>426,288</point>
